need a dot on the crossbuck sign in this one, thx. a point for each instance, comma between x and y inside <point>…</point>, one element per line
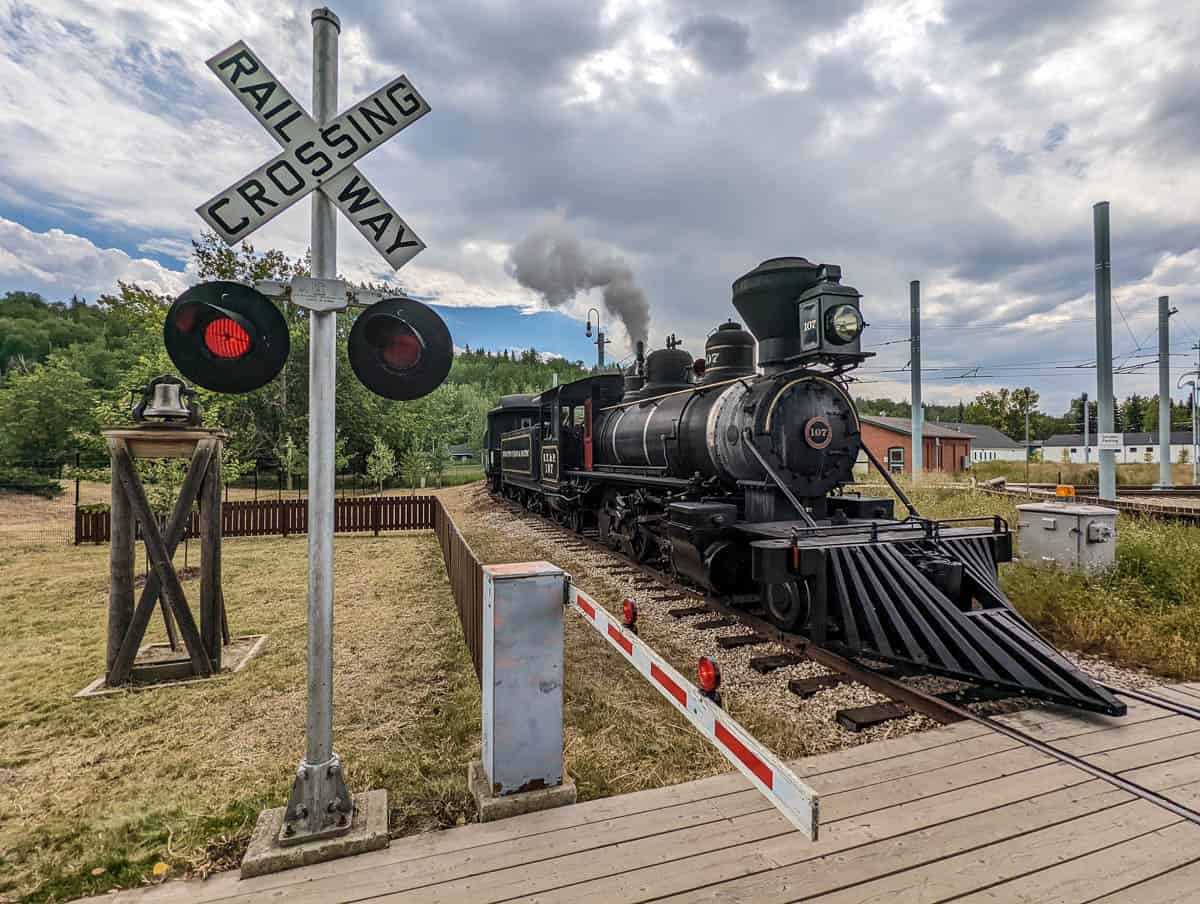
<point>313,158</point>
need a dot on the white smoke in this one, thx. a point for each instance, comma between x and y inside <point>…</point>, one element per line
<point>557,265</point>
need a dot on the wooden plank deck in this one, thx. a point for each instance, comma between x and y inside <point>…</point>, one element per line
<point>957,813</point>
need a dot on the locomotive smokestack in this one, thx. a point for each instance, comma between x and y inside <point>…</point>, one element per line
<point>640,358</point>
<point>799,312</point>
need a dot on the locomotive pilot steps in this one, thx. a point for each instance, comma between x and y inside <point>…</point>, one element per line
<point>731,475</point>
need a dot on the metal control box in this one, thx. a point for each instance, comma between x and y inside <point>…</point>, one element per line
<point>1068,535</point>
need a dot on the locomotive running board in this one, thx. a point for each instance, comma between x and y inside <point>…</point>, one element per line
<point>888,609</point>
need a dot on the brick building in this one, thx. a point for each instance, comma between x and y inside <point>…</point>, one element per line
<point>890,440</point>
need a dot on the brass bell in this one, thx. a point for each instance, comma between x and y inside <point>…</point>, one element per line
<point>167,398</point>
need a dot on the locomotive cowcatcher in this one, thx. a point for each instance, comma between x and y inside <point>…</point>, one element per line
<point>733,476</point>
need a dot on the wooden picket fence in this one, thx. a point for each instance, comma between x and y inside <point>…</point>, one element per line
<point>284,517</point>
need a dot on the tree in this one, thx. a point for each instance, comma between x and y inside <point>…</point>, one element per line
<point>438,459</point>
<point>413,467</point>
<point>292,459</point>
<point>381,463</point>
<point>42,410</point>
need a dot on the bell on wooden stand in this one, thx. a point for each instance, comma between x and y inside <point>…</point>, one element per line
<point>168,401</point>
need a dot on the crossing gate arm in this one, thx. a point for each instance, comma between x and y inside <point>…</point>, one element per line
<point>778,784</point>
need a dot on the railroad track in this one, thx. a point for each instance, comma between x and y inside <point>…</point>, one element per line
<point>944,708</point>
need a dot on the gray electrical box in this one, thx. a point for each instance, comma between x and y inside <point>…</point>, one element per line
<point>1067,534</point>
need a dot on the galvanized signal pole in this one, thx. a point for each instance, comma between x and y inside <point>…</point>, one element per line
<point>320,803</point>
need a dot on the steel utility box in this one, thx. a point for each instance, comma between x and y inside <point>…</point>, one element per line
<point>1068,535</point>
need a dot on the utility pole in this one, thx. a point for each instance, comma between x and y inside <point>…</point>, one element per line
<point>1164,392</point>
<point>1087,423</point>
<point>1028,490</point>
<point>1195,406</point>
<point>918,413</point>
<point>1104,375</point>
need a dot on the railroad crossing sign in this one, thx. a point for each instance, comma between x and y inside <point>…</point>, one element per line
<point>314,158</point>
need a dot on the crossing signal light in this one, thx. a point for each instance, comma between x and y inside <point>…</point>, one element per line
<point>400,349</point>
<point>226,337</point>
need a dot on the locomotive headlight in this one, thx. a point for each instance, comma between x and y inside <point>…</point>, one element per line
<point>842,324</point>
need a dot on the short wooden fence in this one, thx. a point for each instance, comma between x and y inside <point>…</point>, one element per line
<point>283,517</point>
<point>466,580</point>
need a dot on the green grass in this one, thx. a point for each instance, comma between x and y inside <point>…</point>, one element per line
<point>1145,612</point>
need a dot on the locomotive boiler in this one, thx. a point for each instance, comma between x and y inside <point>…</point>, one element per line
<point>733,472</point>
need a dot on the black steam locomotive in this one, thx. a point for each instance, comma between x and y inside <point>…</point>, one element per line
<point>734,477</point>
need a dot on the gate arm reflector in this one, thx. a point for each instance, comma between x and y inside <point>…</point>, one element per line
<point>778,784</point>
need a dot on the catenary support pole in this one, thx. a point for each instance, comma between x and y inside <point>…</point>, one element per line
<point>320,804</point>
<point>918,413</point>
<point>1164,392</point>
<point>1104,375</point>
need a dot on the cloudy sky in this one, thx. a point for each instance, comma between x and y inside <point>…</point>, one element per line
<point>962,143</point>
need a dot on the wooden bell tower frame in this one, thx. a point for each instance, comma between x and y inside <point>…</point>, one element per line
<point>127,623</point>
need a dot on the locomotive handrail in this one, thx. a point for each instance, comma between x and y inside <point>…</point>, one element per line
<point>912,509</point>
<point>800,510</point>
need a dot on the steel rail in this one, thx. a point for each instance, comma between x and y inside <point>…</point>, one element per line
<point>1182,709</point>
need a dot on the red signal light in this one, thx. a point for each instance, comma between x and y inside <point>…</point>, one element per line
<point>710,675</point>
<point>226,338</point>
<point>401,350</point>
<point>629,613</point>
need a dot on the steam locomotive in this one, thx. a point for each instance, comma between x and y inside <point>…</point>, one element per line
<point>735,476</point>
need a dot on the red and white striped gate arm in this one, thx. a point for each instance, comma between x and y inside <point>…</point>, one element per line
<point>794,799</point>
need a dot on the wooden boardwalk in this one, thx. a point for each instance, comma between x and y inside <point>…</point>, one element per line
<point>958,813</point>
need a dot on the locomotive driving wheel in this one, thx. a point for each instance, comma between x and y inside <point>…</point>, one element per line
<point>788,604</point>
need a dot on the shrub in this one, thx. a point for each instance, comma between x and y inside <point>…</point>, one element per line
<point>23,480</point>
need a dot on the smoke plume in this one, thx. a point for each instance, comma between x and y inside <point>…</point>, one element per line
<point>555,264</point>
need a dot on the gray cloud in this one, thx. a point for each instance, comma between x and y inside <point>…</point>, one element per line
<point>719,44</point>
<point>898,144</point>
<point>1055,136</point>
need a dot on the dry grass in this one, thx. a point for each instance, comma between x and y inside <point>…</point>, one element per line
<point>112,785</point>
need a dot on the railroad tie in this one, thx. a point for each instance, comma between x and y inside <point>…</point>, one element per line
<point>733,641</point>
<point>806,687</point>
<point>713,623</point>
<point>861,717</point>
<point>688,610</point>
<point>765,664</point>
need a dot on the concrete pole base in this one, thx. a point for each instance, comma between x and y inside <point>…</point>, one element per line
<point>493,807</point>
<point>368,832</point>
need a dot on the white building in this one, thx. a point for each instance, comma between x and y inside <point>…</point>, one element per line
<point>988,443</point>
<point>1136,448</point>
